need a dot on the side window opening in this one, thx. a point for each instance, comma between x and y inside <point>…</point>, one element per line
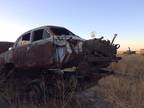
<point>38,35</point>
<point>45,34</point>
<point>25,39</point>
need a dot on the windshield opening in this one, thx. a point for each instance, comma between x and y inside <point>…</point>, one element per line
<point>60,31</point>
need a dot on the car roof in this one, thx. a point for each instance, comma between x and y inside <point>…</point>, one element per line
<point>43,27</point>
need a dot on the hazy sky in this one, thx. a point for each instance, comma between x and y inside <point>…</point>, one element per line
<point>105,17</point>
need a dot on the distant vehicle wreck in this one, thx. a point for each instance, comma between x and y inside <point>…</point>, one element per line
<point>129,51</point>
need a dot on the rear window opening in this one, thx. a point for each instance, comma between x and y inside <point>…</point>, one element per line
<point>60,31</point>
<point>38,35</point>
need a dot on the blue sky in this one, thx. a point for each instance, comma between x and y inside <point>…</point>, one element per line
<point>105,17</point>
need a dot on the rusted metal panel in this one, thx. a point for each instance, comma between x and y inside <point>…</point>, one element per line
<point>19,56</point>
<point>40,55</point>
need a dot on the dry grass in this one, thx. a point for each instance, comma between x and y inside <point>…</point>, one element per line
<point>131,65</point>
<point>62,99</point>
<point>127,92</point>
<point>121,91</point>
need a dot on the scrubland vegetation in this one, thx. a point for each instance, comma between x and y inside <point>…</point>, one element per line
<point>127,88</point>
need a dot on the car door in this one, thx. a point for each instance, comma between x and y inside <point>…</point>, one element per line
<point>20,50</point>
<point>40,53</point>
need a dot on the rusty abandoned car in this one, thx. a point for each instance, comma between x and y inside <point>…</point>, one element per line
<point>41,57</point>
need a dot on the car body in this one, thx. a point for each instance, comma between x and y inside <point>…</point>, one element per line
<point>43,47</point>
<point>51,47</point>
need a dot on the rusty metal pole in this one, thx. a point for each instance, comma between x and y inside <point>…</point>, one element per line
<point>115,35</point>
